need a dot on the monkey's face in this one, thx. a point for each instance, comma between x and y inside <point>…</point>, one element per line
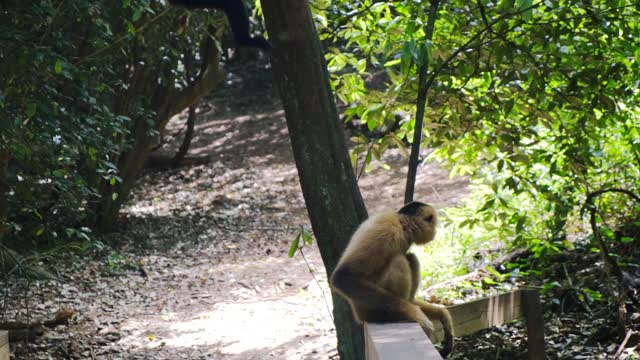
<point>426,219</point>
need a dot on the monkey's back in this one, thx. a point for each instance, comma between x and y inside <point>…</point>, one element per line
<point>377,236</point>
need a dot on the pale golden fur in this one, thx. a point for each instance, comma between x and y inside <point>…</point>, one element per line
<point>379,277</point>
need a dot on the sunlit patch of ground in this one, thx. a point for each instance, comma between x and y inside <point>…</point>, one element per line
<point>262,312</point>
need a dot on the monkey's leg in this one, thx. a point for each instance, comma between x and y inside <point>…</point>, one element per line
<point>439,313</point>
<point>414,265</point>
<point>378,304</point>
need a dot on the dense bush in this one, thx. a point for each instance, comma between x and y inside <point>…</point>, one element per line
<point>83,85</point>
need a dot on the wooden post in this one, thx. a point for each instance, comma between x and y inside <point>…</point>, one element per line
<point>4,345</point>
<point>532,310</point>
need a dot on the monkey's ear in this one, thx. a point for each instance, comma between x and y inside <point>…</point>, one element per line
<point>429,219</point>
<point>412,208</point>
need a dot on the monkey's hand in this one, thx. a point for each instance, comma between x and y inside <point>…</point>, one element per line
<point>426,325</point>
<point>439,313</point>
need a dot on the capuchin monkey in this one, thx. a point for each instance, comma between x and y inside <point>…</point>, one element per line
<point>237,16</point>
<point>380,278</point>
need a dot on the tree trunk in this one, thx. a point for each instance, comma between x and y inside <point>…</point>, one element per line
<point>328,183</point>
<point>129,165</point>
<point>191,117</point>
<point>166,102</point>
<point>188,136</point>
<point>5,156</point>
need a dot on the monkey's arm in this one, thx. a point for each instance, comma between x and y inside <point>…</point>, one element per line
<point>365,294</point>
<point>433,312</point>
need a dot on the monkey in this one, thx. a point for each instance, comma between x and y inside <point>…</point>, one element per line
<point>379,277</point>
<point>238,19</point>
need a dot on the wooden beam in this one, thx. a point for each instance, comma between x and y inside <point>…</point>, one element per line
<point>483,313</point>
<point>408,341</point>
<point>4,345</point>
<point>404,341</point>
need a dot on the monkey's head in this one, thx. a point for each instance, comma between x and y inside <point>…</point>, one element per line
<point>419,222</point>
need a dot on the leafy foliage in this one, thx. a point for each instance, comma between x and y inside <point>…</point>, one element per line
<point>535,101</point>
<point>71,97</point>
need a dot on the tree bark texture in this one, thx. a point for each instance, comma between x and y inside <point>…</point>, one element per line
<point>329,186</point>
<point>166,101</point>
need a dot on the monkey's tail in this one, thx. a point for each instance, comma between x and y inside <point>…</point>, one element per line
<point>447,325</point>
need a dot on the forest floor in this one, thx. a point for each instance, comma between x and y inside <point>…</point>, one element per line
<point>198,267</point>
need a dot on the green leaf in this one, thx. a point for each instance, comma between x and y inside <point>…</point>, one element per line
<point>506,5</point>
<point>509,106</point>
<point>548,286</point>
<point>626,239</point>
<point>30,110</point>
<point>92,153</point>
<point>58,173</point>
<point>400,145</point>
<point>58,67</point>
<point>294,246</point>
<point>489,204</point>
<point>307,238</point>
<point>494,272</point>
<point>526,4</point>
<point>391,63</point>
<point>489,281</point>
<point>137,13</point>
<point>110,165</point>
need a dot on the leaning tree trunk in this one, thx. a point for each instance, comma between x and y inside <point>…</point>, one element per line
<point>191,117</point>
<point>166,102</point>
<point>328,183</point>
<point>188,137</point>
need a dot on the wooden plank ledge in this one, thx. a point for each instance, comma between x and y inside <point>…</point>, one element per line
<point>407,341</point>
<point>404,341</point>
<point>4,345</point>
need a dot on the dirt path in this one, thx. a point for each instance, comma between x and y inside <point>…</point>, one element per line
<point>202,270</point>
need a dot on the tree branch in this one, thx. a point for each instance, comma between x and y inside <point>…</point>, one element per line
<point>206,81</point>
<point>423,88</point>
<point>610,265</point>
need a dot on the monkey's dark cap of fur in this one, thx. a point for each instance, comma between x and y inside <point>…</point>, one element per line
<point>412,208</point>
